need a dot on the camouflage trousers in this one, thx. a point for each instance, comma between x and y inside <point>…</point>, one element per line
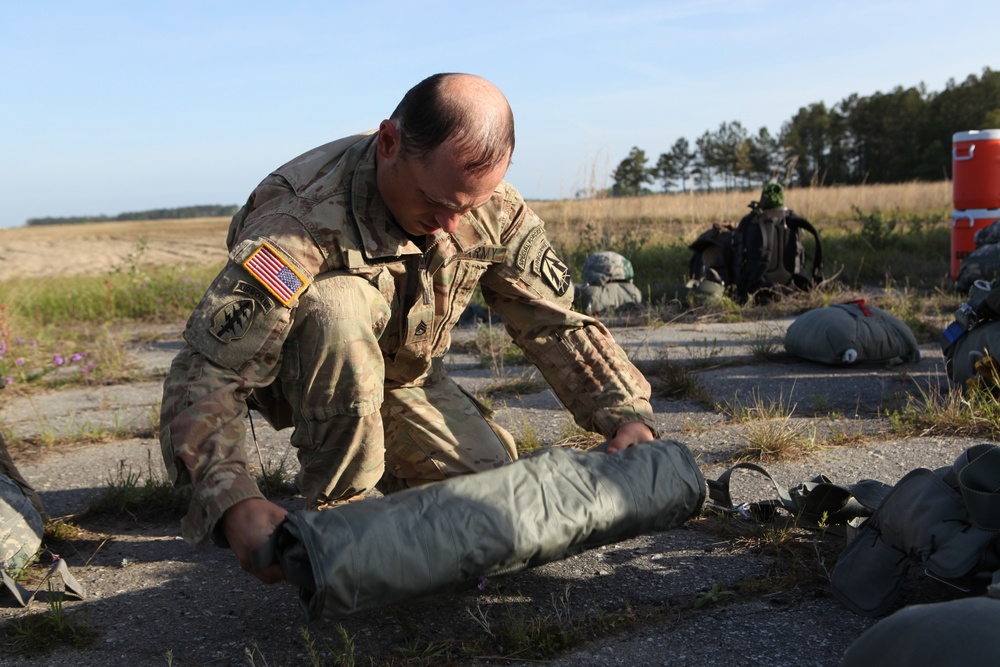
<point>353,430</point>
<point>8,468</point>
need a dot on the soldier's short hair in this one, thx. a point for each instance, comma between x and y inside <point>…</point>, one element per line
<point>427,118</point>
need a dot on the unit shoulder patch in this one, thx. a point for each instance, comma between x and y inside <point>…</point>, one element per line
<point>554,271</point>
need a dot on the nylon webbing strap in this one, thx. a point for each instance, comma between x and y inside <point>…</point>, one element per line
<point>817,501</point>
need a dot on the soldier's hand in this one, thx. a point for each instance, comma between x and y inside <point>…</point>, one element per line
<point>248,525</point>
<point>630,434</point>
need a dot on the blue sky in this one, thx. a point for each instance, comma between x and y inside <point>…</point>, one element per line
<point>109,106</point>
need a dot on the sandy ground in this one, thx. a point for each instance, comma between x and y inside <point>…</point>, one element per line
<point>62,250</point>
<point>154,600</point>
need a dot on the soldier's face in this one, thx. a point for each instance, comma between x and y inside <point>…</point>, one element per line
<point>430,195</point>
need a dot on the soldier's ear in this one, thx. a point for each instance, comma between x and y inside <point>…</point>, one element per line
<point>389,140</point>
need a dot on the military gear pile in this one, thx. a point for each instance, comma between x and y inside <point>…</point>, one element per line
<point>971,343</point>
<point>769,257</point>
<point>849,333</point>
<point>712,260</point>
<point>607,285</point>
<point>761,258</point>
<point>946,520</point>
<point>547,506</point>
<point>983,263</point>
<point>606,266</point>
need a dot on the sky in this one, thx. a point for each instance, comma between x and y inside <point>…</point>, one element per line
<point>114,106</point>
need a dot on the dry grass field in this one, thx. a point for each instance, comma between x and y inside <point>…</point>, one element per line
<point>93,248</point>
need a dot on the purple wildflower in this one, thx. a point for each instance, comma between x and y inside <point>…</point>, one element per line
<point>19,361</point>
<point>58,360</point>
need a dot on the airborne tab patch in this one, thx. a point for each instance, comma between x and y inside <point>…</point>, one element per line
<point>275,274</point>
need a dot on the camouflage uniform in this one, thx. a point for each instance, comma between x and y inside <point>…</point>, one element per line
<point>329,319</point>
<point>20,515</point>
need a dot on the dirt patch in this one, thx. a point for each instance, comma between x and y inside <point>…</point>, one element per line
<point>64,250</point>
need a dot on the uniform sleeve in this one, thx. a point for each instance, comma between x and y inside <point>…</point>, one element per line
<point>233,344</point>
<point>533,292</point>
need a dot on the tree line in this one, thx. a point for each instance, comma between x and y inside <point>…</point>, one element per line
<point>203,211</point>
<point>893,137</point>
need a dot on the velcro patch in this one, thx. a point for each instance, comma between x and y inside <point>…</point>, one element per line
<point>275,273</point>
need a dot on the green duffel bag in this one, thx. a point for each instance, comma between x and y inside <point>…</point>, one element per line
<point>850,333</point>
<point>546,506</point>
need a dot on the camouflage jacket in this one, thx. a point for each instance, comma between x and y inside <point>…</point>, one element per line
<point>321,213</point>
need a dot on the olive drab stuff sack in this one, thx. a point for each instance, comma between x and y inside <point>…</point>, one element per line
<point>769,257</point>
<point>849,333</point>
<point>546,506</point>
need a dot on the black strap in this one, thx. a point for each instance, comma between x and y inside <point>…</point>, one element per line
<point>795,220</point>
<point>818,501</point>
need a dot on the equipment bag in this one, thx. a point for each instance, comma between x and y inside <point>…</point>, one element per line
<point>544,507</point>
<point>983,263</point>
<point>848,333</point>
<point>947,519</point>
<point>769,257</point>
<point>973,337</point>
<point>713,255</point>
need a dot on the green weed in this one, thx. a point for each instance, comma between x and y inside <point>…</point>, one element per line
<point>130,492</point>
<point>41,633</point>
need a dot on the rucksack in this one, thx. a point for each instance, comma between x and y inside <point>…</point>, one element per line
<point>713,255</point>
<point>768,255</point>
<point>973,336</point>
<point>947,520</point>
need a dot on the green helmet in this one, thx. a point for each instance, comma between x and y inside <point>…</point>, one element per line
<point>772,196</point>
<point>606,266</point>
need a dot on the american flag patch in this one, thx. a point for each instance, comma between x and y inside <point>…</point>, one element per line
<point>280,279</point>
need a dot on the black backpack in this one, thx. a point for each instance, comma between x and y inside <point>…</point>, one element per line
<point>768,255</point>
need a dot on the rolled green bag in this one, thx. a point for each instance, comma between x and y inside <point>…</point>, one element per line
<point>544,507</point>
